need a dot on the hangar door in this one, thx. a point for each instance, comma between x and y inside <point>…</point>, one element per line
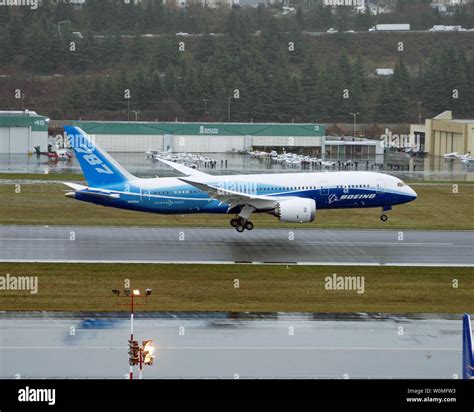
<point>19,139</point>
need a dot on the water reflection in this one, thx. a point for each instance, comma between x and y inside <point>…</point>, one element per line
<point>400,164</point>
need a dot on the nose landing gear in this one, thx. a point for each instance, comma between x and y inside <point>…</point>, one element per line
<point>384,217</point>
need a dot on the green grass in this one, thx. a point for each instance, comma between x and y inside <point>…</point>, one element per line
<point>87,287</point>
<point>437,207</point>
<point>64,177</point>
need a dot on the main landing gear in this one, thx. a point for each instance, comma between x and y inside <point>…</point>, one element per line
<point>384,217</point>
<point>241,224</point>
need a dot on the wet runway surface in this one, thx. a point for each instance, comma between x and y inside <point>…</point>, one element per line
<point>221,345</point>
<point>399,164</point>
<point>202,245</point>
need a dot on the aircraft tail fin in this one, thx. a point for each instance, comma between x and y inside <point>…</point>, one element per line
<point>467,348</point>
<point>99,168</point>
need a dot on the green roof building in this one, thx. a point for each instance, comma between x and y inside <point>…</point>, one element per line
<point>21,131</point>
<point>202,137</point>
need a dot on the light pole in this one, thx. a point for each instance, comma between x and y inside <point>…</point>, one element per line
<point>136,114</point>
<point>228,108</point>
<point>355,121</point>
<point>205,108</point>
<point>138,355</point>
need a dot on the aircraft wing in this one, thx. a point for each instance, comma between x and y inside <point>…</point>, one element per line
<point>234,198</point>
<point>185,170</point>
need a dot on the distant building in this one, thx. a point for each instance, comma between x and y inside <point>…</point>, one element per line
<point>445,6</point>
<point>21,131</point>
<point>378,8</point>
<point>451,2</point>
<point>358,5</point>
<point>362,6</point>
<point>443,134</point>
<point>384,72</point>
<point>77,4</point>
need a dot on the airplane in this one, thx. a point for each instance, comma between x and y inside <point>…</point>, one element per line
<point>291,197</point>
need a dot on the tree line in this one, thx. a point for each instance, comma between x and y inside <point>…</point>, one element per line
<point>274,74</point>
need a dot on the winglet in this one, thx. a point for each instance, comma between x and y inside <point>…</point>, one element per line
<point>188,171</point>
<point>467,348</point>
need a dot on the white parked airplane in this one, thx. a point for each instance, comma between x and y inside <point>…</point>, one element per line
<point>291,197</point>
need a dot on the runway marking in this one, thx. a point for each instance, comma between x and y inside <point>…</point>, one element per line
<point>231,262</point>
<point>264,242</point>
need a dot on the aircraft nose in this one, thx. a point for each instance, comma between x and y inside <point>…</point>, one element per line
<point>412,193</point>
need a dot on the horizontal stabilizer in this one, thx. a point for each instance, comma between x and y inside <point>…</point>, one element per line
<point>74,186</point>
<point>95,192</point>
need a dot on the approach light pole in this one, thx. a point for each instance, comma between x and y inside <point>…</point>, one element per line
<point>355,121</point>
<point>138,354</point>
<point>228,108</point>
<point>205,108</point>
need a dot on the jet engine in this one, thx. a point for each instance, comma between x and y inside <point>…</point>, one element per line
<point>296,210</point>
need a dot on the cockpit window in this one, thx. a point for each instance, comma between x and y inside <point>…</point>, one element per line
<point>400,184</point>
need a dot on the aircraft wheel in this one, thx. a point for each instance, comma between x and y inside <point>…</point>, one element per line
<point>234,222</point>
<point>384,218</point>
<point>240,228</point>
<point>249,225</point>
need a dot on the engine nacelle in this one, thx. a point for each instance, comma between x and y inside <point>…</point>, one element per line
<point>296,210</point>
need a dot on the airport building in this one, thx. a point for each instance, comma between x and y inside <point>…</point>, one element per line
<point>443,134</point>
<point>204,137</point>
<point>307,138</point>
<point>21,131</point>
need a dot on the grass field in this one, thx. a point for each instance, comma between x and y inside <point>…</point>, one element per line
<point>437,207</point>
<point>87,287</point>
<point>63,177</point>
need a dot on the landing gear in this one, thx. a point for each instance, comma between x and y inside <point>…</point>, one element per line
<point>241,224</point>
<point>385,208</point>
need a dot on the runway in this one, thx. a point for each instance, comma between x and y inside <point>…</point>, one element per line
<point>221,345</point>
<point>202,245</point>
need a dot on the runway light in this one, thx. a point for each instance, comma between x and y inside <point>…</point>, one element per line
<point>116,292</point>
<point>148,350</point>
<point>136,292</point>
<point>148,292</point>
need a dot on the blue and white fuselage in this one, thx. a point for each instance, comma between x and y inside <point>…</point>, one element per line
<point>293,197</point>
